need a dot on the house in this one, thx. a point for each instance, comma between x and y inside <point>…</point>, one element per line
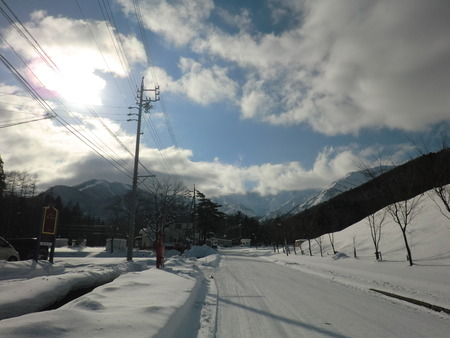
<point>245,242</point>
<point>180,230</point>
<point>175,233</point>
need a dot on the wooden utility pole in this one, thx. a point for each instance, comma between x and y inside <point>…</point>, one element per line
<point>195,219</point>
<point>146,104</point>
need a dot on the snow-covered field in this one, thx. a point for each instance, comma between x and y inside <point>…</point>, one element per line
<point>179,301</point>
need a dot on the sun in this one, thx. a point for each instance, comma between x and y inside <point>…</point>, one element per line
<point>73,82</point>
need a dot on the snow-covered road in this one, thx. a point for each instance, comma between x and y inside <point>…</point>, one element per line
<point>236,292</point>
<point>257,298</point>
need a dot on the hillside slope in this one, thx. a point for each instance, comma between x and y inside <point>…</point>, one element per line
<point>401,183</point>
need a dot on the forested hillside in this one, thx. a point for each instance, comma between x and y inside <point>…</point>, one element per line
<point>399,184</point>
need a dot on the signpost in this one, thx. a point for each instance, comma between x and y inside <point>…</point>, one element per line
<point>48,232</point>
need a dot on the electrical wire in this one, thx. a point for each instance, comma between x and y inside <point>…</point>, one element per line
<point>12,124</point>
<point>155,136</point>
<point>98,146</point>
<point>77,127</point>
<point>43,103</point>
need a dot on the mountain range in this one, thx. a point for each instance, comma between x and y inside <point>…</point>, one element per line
<point>96,197</point>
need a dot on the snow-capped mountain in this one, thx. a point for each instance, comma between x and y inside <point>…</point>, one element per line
<point>231,208</point>
<point>255,205</point>
<point>102,188</point>
<point>350,181</point>
<point>94,197</point>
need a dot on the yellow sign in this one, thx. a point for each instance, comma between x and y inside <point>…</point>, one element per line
<point>50,220</point>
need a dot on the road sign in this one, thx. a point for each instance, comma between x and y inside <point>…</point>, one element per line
<point>50,220</point>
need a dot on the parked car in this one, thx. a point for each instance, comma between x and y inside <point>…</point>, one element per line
<point>27,248</point>
<point>7,251</point>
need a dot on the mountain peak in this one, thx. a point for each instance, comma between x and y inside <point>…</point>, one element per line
<point>91,183</point>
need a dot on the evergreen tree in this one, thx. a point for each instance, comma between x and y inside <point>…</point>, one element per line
<point>209,216</point>
<point>2,178</point>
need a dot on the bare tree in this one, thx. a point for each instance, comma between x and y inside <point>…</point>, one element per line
<point>354,247</point>
<point>20,183</point>
<point>163,202</point>
<point>442,194</point>
<point>331,238</point>
<point>319,241</point>
<point>376,222</point>
<point>375,168</point>
<point>403,213</point>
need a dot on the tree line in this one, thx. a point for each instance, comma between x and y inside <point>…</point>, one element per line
<point>164,203</point>
<point>21,208</point>
<point>160,204</point>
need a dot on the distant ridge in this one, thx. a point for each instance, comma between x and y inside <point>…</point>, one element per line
<point>350,181</point>
<point>342,203</point>
<point>401,183</point>
<point>94,197</point>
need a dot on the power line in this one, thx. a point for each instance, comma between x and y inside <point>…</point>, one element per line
<point>78,127</point>
<point>11,124</point>
<point>36,96</point>
<point>122,56</point>
<point>94,145</point>
<point>138,14</point>
<point>27,36</point>
<point>119,47</point>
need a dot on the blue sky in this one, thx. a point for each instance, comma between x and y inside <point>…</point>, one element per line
<point>260,96</point>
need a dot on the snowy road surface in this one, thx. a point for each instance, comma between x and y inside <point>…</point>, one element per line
<point>257,298</point>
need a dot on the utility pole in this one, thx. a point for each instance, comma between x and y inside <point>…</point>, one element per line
<point>147,105</point>
<point>195,218</point>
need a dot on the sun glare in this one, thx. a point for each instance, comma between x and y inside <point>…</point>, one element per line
<point>75,84</point>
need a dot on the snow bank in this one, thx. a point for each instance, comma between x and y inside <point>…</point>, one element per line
<point>29,269</point>
<point>48,284</point>
<point>205,255</point>
<point>339,255</point>
<point>200,251</point>
<point>137,304</point>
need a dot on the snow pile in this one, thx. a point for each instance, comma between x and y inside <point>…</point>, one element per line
<point>200,251</point>
<point>137,304</point>
<point>29,269</point>
<point>133,298</point>
<point>32,286</point>
<point>204,255</point>
<point>339,255</point>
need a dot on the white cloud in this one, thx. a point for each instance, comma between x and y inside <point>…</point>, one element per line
<point>178,21</point>
<point>200,84</point>
<point>217,178</point>
<point>242,20</point>
<point>346,66</point>
<point>205,85</point>
<point>50,150</point>
<point>61,158</point>
<point>76,64</point>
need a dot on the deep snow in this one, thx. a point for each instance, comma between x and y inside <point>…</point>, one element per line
<point>179,301</point>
